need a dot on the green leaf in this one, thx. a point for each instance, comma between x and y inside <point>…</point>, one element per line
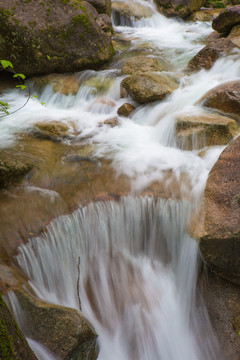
<point>5,64</point>
<point>42,103</point>
<point>239,333</point>
<point>20,76</point>
<point>22,87</point>
<point>48,57</point>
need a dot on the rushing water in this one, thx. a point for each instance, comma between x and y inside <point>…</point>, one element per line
<point>138,265</point>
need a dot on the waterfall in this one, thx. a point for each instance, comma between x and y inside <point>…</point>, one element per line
<point>138,272</point>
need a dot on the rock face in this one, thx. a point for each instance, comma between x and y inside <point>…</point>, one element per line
<point>42,38</point>
<point>60,329</point>
<point>141,64</point>
<point>13,344</point>
<point>102,6</point>
<point>225,97</point>
<point>207,56</point>
<point>220,239</point>
<point>149,87</point>
<point>195,132</point>
<point>234,35</point>
<point>181,8</point>
<point>227,19</point>
<point>12,168</point>
<point>130,10</point>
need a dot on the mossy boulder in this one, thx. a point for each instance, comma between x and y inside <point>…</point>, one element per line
<point>141,64</point>
<point>195,132</point>
<point>51,130</point>
<point>149,87</point>
<point>227,19</point>
<point>41,37</point>
<point>62,330</point>
<point>13,345</point>
<point>12,167</point>
<point>180,8</point>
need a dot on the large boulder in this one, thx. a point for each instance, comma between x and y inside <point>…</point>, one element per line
<point>181,8</point>
<point>62,330</point>
<point>207,56</point>
<point>225,97</point>
<point>220,237</point>
<point>12,167</point>
<point>227,19</point>
<point>13,344</point>
<point>142,64</point>
<point>102,6</point>
<point>195,132</point>
<point>234,35</point>
<point>61,36</point>
<point>149,87</point>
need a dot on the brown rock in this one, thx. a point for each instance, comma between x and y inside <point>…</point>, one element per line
<point>234,35</point>
<point>13,344</point>
<point>207,56</point>
<point>102,6</point>
<point>225,97</point>
<point>51,130</point>
<point>141,64</point>
<point>220,238</point>
<point>205,15</point>
<point>149,87</point>
<point>42,38</point>
<point>227,19</point>
<point>111,122</point>
<point>64,84</point>
<point>62,330</point>
<point>125,110</point>
<point>181,8</point>
<point>195,132</point>
<point>128,10</point>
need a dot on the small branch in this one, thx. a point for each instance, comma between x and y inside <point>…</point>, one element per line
<point>78,281</point>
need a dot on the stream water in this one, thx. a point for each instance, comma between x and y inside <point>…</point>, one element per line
<point>138,265</point>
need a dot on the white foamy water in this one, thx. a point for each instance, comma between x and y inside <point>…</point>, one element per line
<point>138,265</point>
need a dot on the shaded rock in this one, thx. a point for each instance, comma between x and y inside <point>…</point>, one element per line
<point>220,237</point>
<point>13,344</point>
<point>141,64</point>
<point>212,37</point>
<point>195,132</point>
<point>234,35</point>
<point>102,6</point>
<point>149,87</point>
<point>222,300</point>
<point>64,84</point>
<point>205,15</point>
<point>225,97</point>
<point>64,37</point>
<point>125,110</point>
<point>51,130</point>
<point>12,168</point>
<point>227,19</point>
<point>128,10</point>
<point>181,8</point>
<point>207,56</point>
<point>62,330</point>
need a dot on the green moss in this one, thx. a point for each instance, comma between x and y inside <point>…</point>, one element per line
<point>6,343</point>
<point>81,19</point>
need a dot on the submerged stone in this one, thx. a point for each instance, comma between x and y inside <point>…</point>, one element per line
<point>142,64</point>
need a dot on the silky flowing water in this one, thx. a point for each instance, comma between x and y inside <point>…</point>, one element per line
<point>138,264</point>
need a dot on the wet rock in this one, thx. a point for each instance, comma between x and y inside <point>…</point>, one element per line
<point>99,85</point>
<point>220,235</point>
<point>130,10</point>
<point>181,8</point>
<point>66,85</point>
<point>225,97</point>
<point>125,110</point>
<point>51,130</point>
<point>207,56</point>
<point>112,122</point>
<point>141,64</point>
<point>102,6</point>
<point>13,344</point>
<point>205,15</point>
<point>227,19</point>
<point>12,167</point>
<point>234,35</point>
<point>104,22</point>
<point>195,132</point>
<point>62,330</point>
<point>149,87</point>
<point>63,38</point>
